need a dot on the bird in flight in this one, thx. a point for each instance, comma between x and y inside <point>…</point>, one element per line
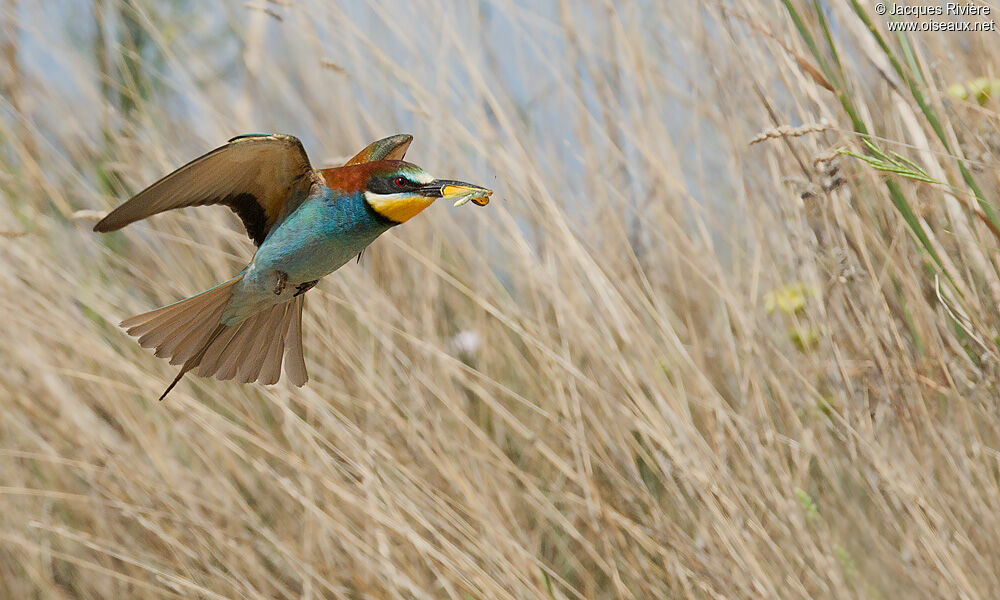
<point>306,224</point>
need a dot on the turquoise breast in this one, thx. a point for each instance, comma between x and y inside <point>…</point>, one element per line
<point>325,232</point>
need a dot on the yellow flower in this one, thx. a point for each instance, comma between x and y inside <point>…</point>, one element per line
<point>789,299</point>
<point>980,88</point>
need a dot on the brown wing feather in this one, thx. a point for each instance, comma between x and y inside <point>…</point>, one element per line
<point>260,177</point>
<point>392,148</point>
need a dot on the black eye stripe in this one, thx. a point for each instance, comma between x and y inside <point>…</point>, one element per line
<point>388,185</point>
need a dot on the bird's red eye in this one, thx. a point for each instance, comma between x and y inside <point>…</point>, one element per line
<point>399,182</point>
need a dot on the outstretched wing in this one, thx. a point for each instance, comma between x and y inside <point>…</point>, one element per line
<point>393,147</point>
<point>261,177</point>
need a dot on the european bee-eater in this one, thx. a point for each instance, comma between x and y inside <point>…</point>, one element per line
<point>306,224</point>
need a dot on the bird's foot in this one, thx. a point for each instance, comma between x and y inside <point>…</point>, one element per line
<point>279,286</point>
<point>305,287</point>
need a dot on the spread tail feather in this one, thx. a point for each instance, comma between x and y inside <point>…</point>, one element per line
<point>194,360</point>
<point>189,333</point>
<point>295,366</point>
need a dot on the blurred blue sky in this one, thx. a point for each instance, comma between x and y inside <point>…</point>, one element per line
<point>384,56</point>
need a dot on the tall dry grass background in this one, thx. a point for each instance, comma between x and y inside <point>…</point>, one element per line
<point>705,368</point>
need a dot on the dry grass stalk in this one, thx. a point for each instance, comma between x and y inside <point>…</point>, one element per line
<point>578,392</point>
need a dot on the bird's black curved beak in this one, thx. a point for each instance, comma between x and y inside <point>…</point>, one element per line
<point>459,190</point>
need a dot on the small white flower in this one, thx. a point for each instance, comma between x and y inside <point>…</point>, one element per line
<point>465,342</point>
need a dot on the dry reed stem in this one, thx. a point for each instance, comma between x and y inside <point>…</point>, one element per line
<point>632,421</point>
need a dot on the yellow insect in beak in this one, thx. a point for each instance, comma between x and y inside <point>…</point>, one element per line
<point>464,192</point>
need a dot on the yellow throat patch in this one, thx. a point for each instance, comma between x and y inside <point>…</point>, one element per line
<point>398,207</point>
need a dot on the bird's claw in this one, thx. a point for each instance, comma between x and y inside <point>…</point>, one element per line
<point>279,286</point>
<point>305,287</point>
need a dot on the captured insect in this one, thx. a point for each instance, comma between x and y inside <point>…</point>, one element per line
<point>462,195</point>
